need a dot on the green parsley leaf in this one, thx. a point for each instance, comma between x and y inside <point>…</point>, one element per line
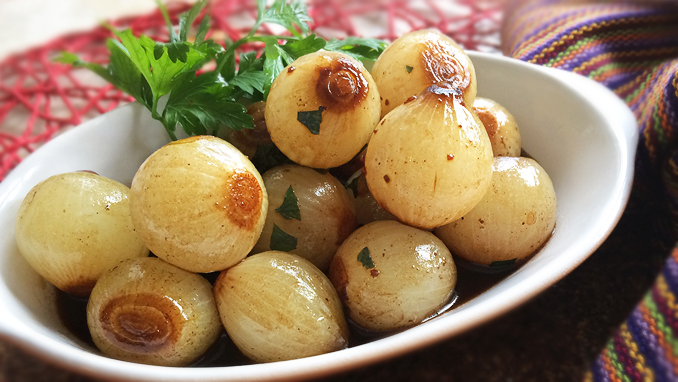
<point>409,68</point>
<point>504,264</point>
<point>293,16</point>
<point>289,209</point>
<point>202,104</point>
<point>312,119</point>
<point>282,241</point>
<point>304,46</point>
<point>366,259</point>
<point>187,19</point>
<point>357,47</point>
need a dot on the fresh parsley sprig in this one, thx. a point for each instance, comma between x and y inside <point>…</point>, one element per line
<point>201,104</point>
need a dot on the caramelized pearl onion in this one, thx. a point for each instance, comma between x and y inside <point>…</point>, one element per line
<point>277,306</point>
<point>430,160</point>
<point>408,276</point>
<point>199,204</point>
<point>327,215</point>
<point>72,227</point>
<point>152,312</point>
<point>512,221</point>
<point>418,60</point>
<point>342,94</point>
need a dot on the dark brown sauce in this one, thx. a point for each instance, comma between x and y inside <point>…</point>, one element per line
<point>470,284</point>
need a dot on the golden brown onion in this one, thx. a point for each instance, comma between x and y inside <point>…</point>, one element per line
<point>323,86</point>
<point>72,227</point>
<point>430,161</point>
<point>278,306</point>
<point>199,204</point>
<point>326,213</point>
<point>418,60</point>
<point>516,216</point>
<point>148,311</point>
<point>501,127</point>
<point>392,276</point>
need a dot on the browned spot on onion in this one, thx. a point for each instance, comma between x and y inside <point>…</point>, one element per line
<point>346,224</point>
<point>374,272</point>
<point>387,178</point>
<point>444,62</point>
<point>291,69</point>
<point>339,278</point>
<point>450,156</point>
<point>80,287</point>
<point>243,200</point>
<point>142,322</point>
<point>488,119</point>
<point>412,98</point>
<point>341,85</point>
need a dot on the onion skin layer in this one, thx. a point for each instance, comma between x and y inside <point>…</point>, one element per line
<point>429,161</point>
<point>151,312</point>
<point>418,60</point>
<point>72,227</point>
<point>327,214</point>
<point>413,276</point>
<point>339,84</point>
<point>512,221</point>
<point>277,306</point>
<point>199,204</point>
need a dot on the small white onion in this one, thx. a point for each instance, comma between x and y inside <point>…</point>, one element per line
<point>278,306</point>
<point>148,311</point>
<point>72,227</point>
<point>512,221</point>
<point>391,276</point>
<point>199,204</point>
<point>326,213</point>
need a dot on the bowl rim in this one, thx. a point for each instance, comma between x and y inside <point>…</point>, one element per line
<point>81,361</point>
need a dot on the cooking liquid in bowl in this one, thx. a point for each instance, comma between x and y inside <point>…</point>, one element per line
<point>470,284</point>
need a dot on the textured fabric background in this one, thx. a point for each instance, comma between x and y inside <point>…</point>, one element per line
<point>632,48</point>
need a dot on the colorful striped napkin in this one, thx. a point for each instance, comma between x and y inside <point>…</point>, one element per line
<point>632,48</point>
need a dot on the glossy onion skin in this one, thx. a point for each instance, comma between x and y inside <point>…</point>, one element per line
<point>327,215</point>
<point>413,277</point>
<point>501,127</point>
<point>514,219</point>
<point>429,161</point>
<point>367,210</point>
<point>432,57</point>
<point>199,204</point>
<point>336,82</point>
<point>277,306</point>
<point>72,227</point>
<point>148,311</point>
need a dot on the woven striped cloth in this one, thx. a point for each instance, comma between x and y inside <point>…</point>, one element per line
<point>632,48</point>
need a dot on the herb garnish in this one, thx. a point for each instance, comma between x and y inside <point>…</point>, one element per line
<point>408,68</point>
<point>201,104</point>
<point>365,258</point>
<point>289,209</point>
<point>312,119</point>
<point>282,241</point>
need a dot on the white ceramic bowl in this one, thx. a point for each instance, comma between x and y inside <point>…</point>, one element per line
<point>580,132</point>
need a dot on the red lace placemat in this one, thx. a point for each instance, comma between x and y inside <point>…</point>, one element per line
<point>40,98</point>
